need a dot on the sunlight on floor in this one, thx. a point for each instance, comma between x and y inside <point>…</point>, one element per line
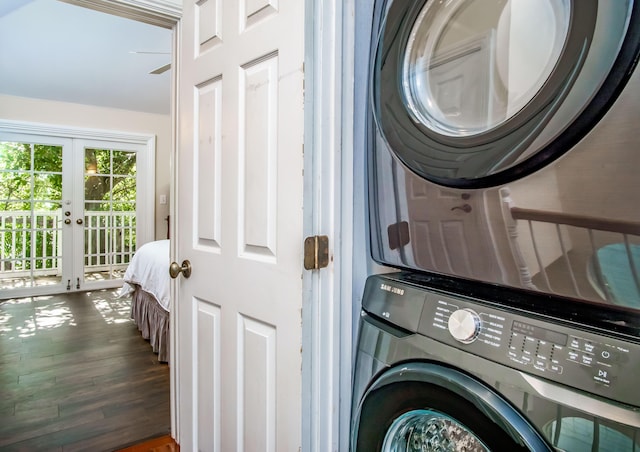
<point>25,317</point>
<point>40,318</point>
<point>54,316</point>
<point>5,319</point>
<point>113,309</point>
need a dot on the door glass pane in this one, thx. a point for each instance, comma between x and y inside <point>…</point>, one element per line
<point>110,207</point>
<point>30,214</point>
<point>47,158</point>
<point>97,161</point>
<point>47,187</point>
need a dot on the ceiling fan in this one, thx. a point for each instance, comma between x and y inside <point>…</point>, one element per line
<point>162,69</point>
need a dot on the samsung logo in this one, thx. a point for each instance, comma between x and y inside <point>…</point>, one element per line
<point>394,290</point>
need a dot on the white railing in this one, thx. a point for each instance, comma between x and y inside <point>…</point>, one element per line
<point>107,236</point>
<point>31,242</point>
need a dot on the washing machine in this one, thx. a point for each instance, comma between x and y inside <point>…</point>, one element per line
<point>502,159</point>
<point>445,370</point>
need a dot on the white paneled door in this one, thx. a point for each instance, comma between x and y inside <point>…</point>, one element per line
<point>239,223</point>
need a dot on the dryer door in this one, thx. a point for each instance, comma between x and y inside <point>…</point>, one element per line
<point>503,143</point>
<point>472,94</point>
<point>424,406</point>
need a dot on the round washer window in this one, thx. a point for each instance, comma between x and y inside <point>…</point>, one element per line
<point>478,93</point>
<point>420,430</point>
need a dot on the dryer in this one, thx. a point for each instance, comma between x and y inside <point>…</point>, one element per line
<point>502,160</point>
<point>503,144</point>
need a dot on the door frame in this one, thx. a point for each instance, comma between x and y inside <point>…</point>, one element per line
<point>329,206</point>
<point>326,371</point>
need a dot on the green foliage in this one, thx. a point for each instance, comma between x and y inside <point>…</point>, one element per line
<point>23,169</point>
<point>110,176</point>
<point>31,180</point>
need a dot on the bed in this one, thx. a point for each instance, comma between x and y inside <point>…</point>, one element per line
<point>147,281</point>
<point>580,256</point>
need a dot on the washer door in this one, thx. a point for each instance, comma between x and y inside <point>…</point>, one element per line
<point>429,407</point>
<point>477,93</point>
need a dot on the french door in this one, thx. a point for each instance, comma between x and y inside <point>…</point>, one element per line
<point>68,212</point>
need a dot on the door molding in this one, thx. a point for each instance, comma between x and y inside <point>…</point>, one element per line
<point>328,210</point>
<point>33,128</point>
<point>163,13</point>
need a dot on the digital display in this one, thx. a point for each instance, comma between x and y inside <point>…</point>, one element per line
<point>542,334</point>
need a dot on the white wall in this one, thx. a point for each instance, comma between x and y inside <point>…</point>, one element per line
<point>83,116</point>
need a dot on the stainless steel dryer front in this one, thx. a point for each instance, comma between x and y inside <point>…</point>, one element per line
<point>503,143</point>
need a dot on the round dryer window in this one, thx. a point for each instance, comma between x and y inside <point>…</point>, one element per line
<point>475,93</point>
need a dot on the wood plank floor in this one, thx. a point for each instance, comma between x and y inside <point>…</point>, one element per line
<point>75,375</point>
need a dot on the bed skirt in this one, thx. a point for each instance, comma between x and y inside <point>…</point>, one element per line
<point>152,321</point>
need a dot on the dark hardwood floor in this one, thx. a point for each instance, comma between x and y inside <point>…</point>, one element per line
<point>75,375</point>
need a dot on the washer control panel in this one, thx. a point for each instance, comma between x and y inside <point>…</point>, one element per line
<point>584,360</point>
<point>578,358</point>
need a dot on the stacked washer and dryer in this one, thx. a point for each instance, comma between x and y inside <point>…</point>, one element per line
<point>503,174</point>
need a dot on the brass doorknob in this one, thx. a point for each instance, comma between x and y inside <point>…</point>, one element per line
<point>175,269</point>
<point>67,221</point>
<point>79,221</point>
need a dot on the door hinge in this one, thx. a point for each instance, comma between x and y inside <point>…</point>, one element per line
<point>316,252</point>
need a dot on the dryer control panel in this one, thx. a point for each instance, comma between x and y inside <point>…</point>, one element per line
<point>578,358</point>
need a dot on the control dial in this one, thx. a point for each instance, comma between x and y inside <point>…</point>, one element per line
<point>464,325</point>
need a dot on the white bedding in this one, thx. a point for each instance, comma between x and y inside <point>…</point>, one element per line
<point>149,269</point>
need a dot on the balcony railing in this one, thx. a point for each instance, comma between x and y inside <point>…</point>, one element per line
<point>32,242</point>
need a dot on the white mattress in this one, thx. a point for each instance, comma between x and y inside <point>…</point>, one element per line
<point>149,269</point>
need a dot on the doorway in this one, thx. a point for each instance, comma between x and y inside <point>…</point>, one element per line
<point>70,212</point>
<point>146,133</point>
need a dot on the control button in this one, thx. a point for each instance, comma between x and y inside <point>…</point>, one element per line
<point>572,355</point>
<point>606,355</point>
<point>602,376</point>
<point>586,359</point>
<point>575,343</point>
<point>589,347</point>
<point>464,325</point>
<point>555,368</point>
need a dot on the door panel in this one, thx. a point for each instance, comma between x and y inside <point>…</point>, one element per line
<point>239,222</point>
<point>33,236</point>
<point>110,206</point>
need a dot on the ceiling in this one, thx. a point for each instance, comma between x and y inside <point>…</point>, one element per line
<point>58,51</point>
